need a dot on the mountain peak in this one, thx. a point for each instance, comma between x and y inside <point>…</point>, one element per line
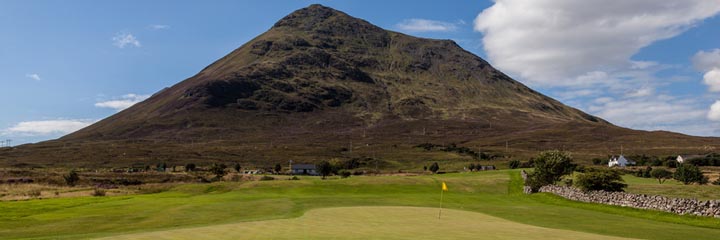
<point>307,17</point>
<point>325,20</point>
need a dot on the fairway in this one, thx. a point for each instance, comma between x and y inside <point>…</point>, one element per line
<point>477,205</point>
<point>372,223</point>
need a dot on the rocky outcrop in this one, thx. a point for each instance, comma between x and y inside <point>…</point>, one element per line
<point>680,206</point>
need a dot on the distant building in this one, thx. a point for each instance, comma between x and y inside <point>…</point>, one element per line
<point>486,168</point>
<point>620,161</point>
<point>304,169</point>
<point>683,158</point>
<point>251,171</point>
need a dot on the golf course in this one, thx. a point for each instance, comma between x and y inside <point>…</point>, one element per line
<point>481,205</point>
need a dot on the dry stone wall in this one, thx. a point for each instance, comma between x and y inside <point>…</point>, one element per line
<point>680,206</point>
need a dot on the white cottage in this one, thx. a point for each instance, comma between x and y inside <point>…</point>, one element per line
<point>683,158</point>
<point>620,161</point>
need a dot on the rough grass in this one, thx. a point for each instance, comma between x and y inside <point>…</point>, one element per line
<point>671,188</point>
<point>496,193</point>
<point>372,223</point>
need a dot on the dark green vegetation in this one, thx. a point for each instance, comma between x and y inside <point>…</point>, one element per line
<point>661,174</point>
<point>495,193</point>
<point>550,167</point>
<point>321,84</point>
<point>600,179</point>
<point>71,178</point>
<point>688,173</point>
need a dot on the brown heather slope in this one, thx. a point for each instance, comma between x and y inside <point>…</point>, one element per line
<point>321,84</point>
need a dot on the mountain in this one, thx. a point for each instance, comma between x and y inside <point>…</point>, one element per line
<point>321,84</point>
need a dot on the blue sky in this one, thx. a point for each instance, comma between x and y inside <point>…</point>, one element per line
<point>646,64</point>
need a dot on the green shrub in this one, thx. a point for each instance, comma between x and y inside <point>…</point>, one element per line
<point>71,178</point>
<point>345,173</point>
<point>294,178</point>
<point>661,174</point>
<point>190,167</point>
<point>434,167</point>
<point>325,168</point>
<point>688,173</point>
<point>98,193</point>
<point>267,178</point>
<point>550,167</point>
<point>514,164</point>
<point>278,168</point>
<point>218,170</point>
<point>600,179</point>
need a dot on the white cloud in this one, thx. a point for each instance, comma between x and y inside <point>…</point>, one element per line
<point>46,127</point>
<point>158,27</point>
<point>712,79</point>
<point>125,39</point>
<point>552,42</point>
<point>649,113</point>
<point>706,61</point>
<point>714,113</point>
<point>33,76</point>
<point>123,102</point>
<point>642,92</point>
<point>425,25</point>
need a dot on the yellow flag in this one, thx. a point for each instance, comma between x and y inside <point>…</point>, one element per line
<point>444,187</point>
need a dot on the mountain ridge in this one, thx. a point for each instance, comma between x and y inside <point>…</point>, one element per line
<point>319,79</point>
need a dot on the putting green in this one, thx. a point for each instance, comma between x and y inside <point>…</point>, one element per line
<point>372,223</point>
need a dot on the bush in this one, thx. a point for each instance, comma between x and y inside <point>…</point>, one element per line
<point>688,173</point>
<point>345,173</point>
<point>528,164</point>
<point>434,167</point>
<point>71,178</point>
<point>550,167</point>
<point>661,174</point>
<point>514,164</point>
<point>237,167</point>
<point>190,167</point>
<point>324,168</point>
<point>278,168</point>
<point>218,170</point>
<point>671,163</point>
<point>98,193</point>
<point>600,179</point>
<point>294,178</point>
<point>267,178</point>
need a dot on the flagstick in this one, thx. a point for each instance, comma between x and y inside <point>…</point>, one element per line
<point>441,202</point>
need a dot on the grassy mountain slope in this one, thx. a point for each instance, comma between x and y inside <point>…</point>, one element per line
<point>322,84</point>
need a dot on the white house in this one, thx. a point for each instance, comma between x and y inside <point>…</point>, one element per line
<point>683,158</point>
<point>620,161</point>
